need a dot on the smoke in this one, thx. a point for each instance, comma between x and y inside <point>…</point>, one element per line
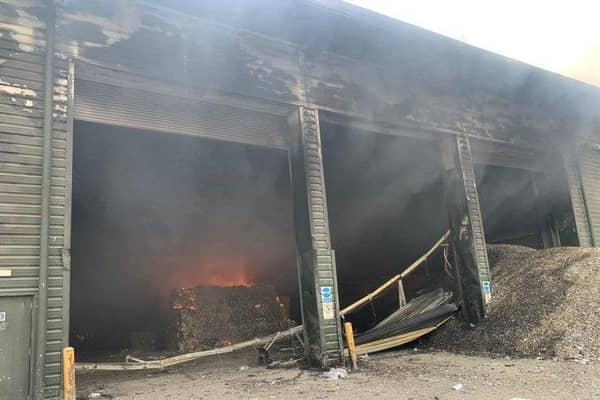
<point>516,204</point>
<point>508,202</point>
<point>386,206</point>
<point>153,212</point>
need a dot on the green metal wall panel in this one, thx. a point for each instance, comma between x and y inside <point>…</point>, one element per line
<point>589,167</point>
<point>479,245</point>
<point>317,272</point>
<point>580,215</point>
<point>467,237</point>
<point>26,107</point>
<point>150,108</point>
<point>16,321</point>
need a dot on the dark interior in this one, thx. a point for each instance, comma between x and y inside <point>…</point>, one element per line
<point>155,211</point>
<point>386,208</point>
<point>509,206</point>
<point>520,206</point>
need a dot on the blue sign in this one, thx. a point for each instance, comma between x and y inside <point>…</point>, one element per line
<point>326,294</point>
<point>486,287</point>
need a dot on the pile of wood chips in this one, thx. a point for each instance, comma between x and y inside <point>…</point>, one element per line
<point>207,317</point>
<point>545,303</point>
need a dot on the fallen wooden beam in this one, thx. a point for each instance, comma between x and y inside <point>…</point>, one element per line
<point>175,360</point>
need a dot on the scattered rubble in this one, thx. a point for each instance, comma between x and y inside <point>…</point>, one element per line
<point>335,373</point>
<point>390,375</point>
<point>545,304</point>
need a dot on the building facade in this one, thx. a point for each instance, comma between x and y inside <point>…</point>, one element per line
<point>266,73</point>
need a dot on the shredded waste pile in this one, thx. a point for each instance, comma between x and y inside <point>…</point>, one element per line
<point>546,303</point>
<point>206,317</point>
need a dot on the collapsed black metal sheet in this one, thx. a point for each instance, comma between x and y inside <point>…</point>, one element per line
<point>424,311</point>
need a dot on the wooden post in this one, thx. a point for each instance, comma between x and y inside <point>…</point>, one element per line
<point>351,346</point>
<point>68,362</point>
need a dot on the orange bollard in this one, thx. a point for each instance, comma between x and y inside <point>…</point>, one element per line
<point>351,346</point>
<point>68,362</point>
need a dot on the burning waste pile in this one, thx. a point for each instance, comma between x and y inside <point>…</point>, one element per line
<point>206,317</point>
<point>545,304</point>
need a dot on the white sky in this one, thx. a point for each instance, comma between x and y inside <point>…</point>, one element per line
<point>558,35</point>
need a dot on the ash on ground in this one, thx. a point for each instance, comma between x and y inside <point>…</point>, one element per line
<point>545,304</point>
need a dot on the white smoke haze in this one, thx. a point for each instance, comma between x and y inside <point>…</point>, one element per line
<point>559,36</point>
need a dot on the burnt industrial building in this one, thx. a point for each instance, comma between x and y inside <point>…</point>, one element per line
<point>305,146</point>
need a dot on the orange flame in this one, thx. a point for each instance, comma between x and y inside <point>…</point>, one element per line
<point>222,272</point>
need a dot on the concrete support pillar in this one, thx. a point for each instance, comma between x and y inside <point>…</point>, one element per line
<point>467,238</point>
<point>316,259</point>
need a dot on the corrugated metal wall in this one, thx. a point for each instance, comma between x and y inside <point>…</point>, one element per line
<point>22,42</point>
<point>505,155</point>
<point>57,328</point>
<point>578,205</point>
<point>589,166</point>
<point>480,249</point>
<point>319,225</point>
<point>22,81</point>
<point>147,109</point>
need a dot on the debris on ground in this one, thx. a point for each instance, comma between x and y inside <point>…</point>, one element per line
<point>335,373</point>
<point>545,304</point>
<point>390,375</point>
<point>425,310</point>
<point>98,395</point>
<point>458,386</point>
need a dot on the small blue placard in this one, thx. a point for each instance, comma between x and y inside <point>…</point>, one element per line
<point>486,287</point>
<point>326,294</point>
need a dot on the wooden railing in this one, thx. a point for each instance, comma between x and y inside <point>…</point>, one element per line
<point>395,280</point>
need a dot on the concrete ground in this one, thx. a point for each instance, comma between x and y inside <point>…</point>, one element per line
<point>405,374</point>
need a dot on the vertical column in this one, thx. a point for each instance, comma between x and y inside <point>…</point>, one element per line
<point>40,359</point>
<point>467,239</point>
<point>589,172</point>
<point>578,204</point>
<point>316,259</point>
